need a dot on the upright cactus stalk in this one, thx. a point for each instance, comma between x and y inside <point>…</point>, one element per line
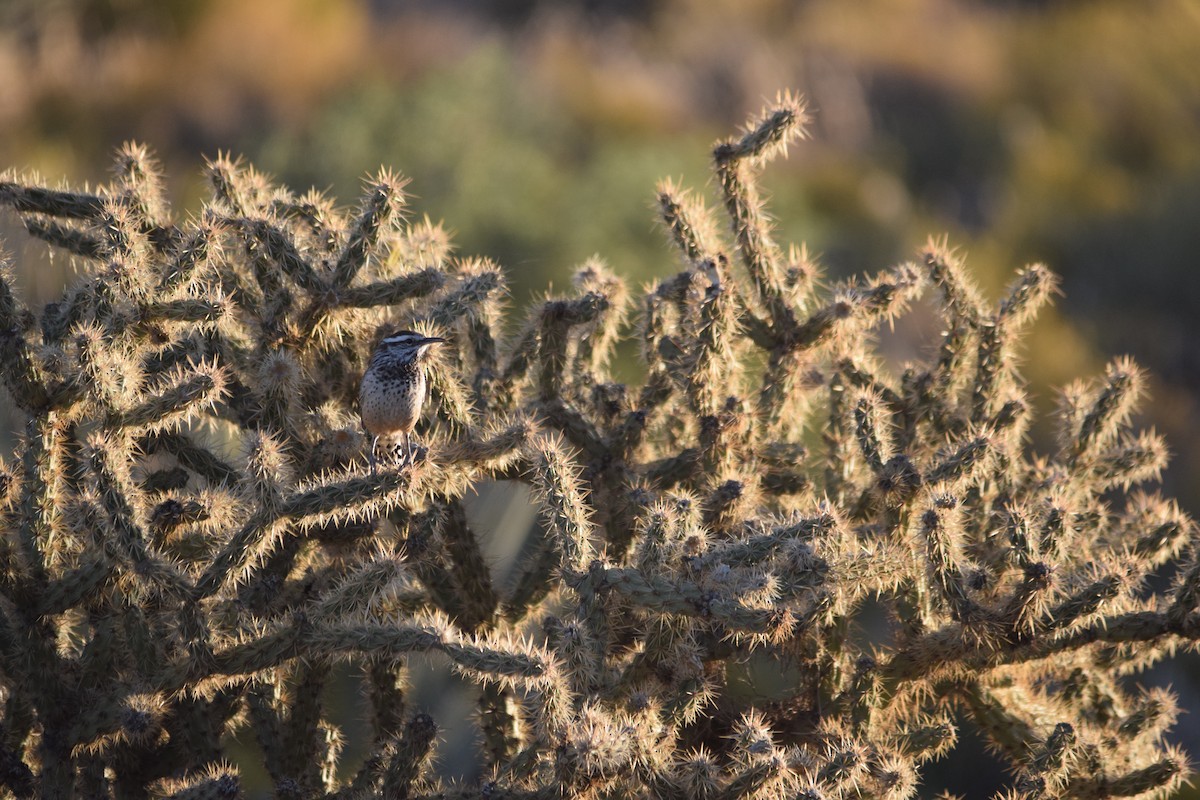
<point>192,538</point>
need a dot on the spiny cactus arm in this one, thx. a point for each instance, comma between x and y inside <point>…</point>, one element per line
<point>657,330</point>
<point>595,344</point>
<point>1093,418</point>
<point>124,540</point>
<point>997,335</point>
<point>424,551</point>
<point>713,375</point>
<point>1031,289</point>
<point>40,510</point>
<point>60,318</point>
<point>339,295</point>
<point>454,412</point>
<point>256,536</point>
<point>1160,530</point>
<point>75,586</point>
<point>558,317</point>
<point>856,307</point>
<point>316,212</point>
<point>218,781</point>
<point>178,396</point>
<point>692,229</point>
<point>734,162</point>
<point>840,445</point>
<point>349,496</point>
<point>387,687</point>
<point>925,738</point>
<point>100,659</point>
<point>237,188</point>
<point>1162,777</point>
<point>946,647</point>
<point>125,245</point>
<point>561,495</point>
<point>272,648</point>
<point>937,388</point>
<point>118,717</point>
<point>141,636</point>
<point>788,534</point>
<point>1084,602</point>
<point>28,199</point>
<point>381,209</point>
<point>501,659</point>
<point>626,434</point>
<point>198,725</point>
<point>479,597</point>
<point>575,425</point>
<point>191,260</point>
<point>665,596</point>
<point>940,526</point>
<point>1153,715</point>
<point>305,738</point>
<point>497,447</point>
<point>1004,726</point>
<point>522,350</point>
<point>137,181</point>
<point>1133,459</point>
<point>24,375</point>
<point>865,377</point>
<point>872,429</point>
<point>1051,766</point>
<point>1024,612</point>
<point>266,722</point>
<point>188,309</point>
<point>410,757</point>
<point>191,456</point>
<point>583,643</point>
<point>483,658</point>
<point>275,390</point>
<point>268,301</point>
<point>277,245</point>
<point>535,581</point>
<point>1186,590</point>
<point>963,465</point>
<point>65,237</point>
<point>394,291</point>
<point>960,294</point>
<point>688,222</point>
<point>482,328</point>
<point>500,723</point>
<point>362,590</point>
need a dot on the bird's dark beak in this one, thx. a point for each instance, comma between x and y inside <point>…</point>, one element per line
<point>433,340</point>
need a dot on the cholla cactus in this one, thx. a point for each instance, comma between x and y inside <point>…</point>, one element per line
<point>192,537</point>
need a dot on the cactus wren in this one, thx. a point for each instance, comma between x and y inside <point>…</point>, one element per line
<point>393,388</point>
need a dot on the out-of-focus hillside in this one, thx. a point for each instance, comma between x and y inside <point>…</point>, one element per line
<point>1064,132</point>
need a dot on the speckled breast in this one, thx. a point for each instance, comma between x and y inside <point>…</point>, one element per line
<point>391,404</point>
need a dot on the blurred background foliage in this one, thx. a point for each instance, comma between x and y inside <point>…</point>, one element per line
<point>1028,130</point>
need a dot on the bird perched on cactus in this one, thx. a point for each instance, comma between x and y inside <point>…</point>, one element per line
<point>393,389</point>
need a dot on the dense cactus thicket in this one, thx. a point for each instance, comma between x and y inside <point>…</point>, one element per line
<point>192,538</point>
